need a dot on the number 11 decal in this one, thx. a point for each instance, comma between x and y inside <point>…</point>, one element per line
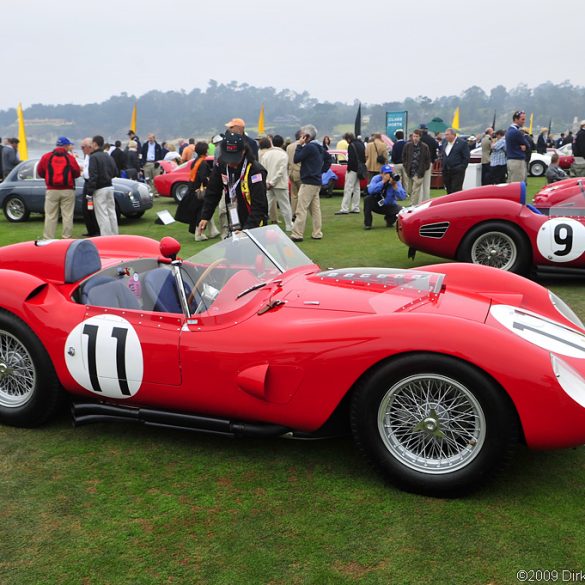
<point>104,355</point>
<point>120,335</point>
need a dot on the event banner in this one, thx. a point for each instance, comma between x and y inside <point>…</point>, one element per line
<point>396,121</point>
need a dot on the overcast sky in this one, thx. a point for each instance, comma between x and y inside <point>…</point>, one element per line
<point>371,50</point>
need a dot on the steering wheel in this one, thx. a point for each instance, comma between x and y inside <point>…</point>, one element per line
<point>202,278</point>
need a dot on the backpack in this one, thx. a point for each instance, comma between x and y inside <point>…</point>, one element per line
<point>59,172</point>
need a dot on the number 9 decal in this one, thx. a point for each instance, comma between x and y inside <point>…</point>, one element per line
<point>561,239</point>
<point>104,356</point>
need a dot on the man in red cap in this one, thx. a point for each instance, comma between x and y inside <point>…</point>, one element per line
<point>238,126</point>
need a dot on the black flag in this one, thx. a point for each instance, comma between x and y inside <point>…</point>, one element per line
<point>494,122</point>
<point>549,126</point>
<point>358,122</point>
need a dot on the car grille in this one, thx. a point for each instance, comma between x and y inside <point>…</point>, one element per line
<point>434,230</point>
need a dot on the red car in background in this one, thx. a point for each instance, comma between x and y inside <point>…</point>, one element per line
<point>174,180</point>
<point>566,158</point>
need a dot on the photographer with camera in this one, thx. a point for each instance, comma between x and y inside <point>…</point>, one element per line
<point>383,192</point>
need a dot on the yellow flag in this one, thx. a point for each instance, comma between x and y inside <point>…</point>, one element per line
<point>455,123</point>
<point>22,146</point>
<point>133,120</point>
<point>531,121</point>
<point>261,121</point>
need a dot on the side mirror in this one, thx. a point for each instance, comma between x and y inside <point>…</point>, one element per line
<point>169,248</point>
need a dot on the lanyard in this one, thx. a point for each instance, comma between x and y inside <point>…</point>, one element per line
<point>233,187</point>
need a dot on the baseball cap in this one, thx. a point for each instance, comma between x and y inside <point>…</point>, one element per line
<point>232,148</point>
<point>423,127</point>
<point>63,141</point>
<point>386,169</point>
<point>236,122</point>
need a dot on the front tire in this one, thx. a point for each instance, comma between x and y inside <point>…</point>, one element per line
<point>29,388</point>
<point>498,245</point>
<point>179,191</point>
<point>433,425</point>
<point>15,209</point>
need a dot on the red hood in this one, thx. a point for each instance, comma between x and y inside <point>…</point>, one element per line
<point>383,291</point>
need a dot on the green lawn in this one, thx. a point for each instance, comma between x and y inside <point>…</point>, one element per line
<point>109,504</point>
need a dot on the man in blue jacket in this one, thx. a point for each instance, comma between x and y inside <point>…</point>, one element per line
<point>383,192</point>
<point>309,153</point>
<point>516,145</point>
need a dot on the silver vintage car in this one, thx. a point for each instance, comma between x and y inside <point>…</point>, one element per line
<point>23,193</point>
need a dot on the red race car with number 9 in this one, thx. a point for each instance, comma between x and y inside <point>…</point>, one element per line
<point>495,226</point>
<point>250,338</point>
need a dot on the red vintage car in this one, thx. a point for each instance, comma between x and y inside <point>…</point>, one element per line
<point>174,180</point>
<point>568,193</point>
<point>250,338</point>
<point>339,167</point>
<point>495,226</point>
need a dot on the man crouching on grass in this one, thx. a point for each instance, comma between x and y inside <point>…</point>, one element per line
<point>383,192</point>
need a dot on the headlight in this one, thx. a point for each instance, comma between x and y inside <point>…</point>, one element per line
<point>415,208</point>
<point>569,379</point>
<point>565,310</point>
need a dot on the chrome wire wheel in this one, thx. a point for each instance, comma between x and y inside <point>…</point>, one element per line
<point>494,249</point>
<point>431,424</point>
<point>17,372</point>
<point>15,209</point>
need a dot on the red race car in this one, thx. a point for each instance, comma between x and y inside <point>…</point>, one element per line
<point>494,226</point>
<point>173,182</point>
<point>250,338</point>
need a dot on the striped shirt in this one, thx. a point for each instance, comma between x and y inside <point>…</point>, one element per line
<point>498,156</point>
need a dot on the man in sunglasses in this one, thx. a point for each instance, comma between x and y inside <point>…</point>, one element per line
<point>516,145</point>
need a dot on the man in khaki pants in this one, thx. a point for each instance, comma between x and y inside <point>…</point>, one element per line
<point>59,168</point>
<point>294,173</point>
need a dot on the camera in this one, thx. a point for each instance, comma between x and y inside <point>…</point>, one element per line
<point>396,178</point>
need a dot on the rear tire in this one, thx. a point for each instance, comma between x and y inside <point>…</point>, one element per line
<point>15,209</point>
<point>29,388</point>
<point>498,245</point>
<point>433,425</point>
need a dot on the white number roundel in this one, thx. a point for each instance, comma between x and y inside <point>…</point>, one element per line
<point>561,239</point>
<point>103,354</point>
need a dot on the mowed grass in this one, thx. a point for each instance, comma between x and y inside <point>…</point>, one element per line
<point>109,504</point>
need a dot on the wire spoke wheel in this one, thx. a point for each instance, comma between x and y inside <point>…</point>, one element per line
<point>431,423</point>
<point>15,209</point>
<point>17,372</point>
<point>494,249</point>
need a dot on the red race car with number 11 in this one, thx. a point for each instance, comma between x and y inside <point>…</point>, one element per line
<point>250,338</point>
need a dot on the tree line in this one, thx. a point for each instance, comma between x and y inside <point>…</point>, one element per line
<point>202,113</point>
